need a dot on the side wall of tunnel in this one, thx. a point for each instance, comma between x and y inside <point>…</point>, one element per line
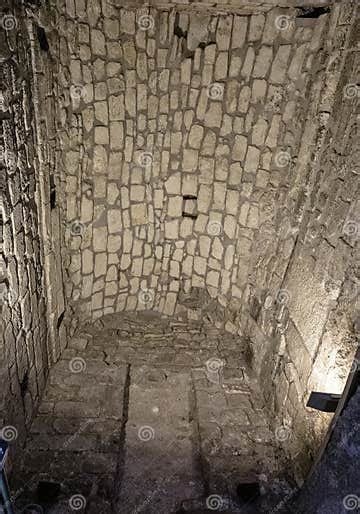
<point>305,328</point>
<point>32,300</point>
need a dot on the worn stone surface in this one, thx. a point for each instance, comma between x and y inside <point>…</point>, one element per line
<point>304,322</point>
<point>150,412</point>
<point>186,128</point>
<point>31,288</point>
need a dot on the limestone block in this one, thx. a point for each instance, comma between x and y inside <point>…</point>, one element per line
<point>297,62</point>
<point>259,132</point>
<point>186,71</point>
<point>272,138</point>
<point>235,174</point>
<point>239,31</point>
<point>137,193</point>
<point>101,136</point>
<point>235,66</point>
<point>114,221</point>
<point>129,52</point>
<point>258,92</point>
<point>280,63</point>
<point>230,226</point>
<point>221,66</point>
<point>98,43</point>
<point>239,148</point>
<point>212,278</point>
<point>113,244</point>
<point>127,21</point>
<point>196,136</point>
<point>232,94</point>
<point>223,33</point>
<point>200,264</point>
<point>99,187</point>
<point>209,143</point>
<point>232,202</point>
<point>213,115</point>
<point>100,239</point>
<point>116,135</point>
<point>248,63</point>
<point>257,22</point>
<point>252,160</point>
<point>190,160</point>
<point>202,104</point>
<point>86,210</point>
<point>244,99</point>
<point>206,166</point>
<point>172,229</point>
<point>100,264</point>
<point>263,62</point>
<point>101,112</point>
<point>100,159</point>
<point>114,51</point>
<point>175,206</point>
<point>186,227</point>
<point>198,31</point>
<point>139,214</point>
<point>87,262</point>
<point>111,28</point>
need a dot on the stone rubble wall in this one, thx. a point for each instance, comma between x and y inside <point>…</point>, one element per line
<point>303,326</point>
<point>175,131</point>
<point>32,300</point>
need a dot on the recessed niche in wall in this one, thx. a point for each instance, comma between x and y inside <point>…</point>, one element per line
<point>43,41</point>
<point>52,192</point>
<point>189,206</point>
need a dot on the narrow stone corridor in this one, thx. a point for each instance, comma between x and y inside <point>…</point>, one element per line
<point>161,413</point>
<point>179,256</point>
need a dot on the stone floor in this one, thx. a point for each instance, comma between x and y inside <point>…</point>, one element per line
<point>152,415</point>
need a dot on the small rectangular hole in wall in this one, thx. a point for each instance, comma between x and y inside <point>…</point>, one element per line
<point>308,16</point>
<point>43,42</point>
<point>52,193</point>
<point>190,207</point>
<point>313,12</point>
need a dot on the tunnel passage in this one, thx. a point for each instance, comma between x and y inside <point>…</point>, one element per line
<point>188,172</point>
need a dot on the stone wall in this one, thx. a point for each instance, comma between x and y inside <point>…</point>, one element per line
<point>32,300</point>
<point>190,161</point>
<point>303,324</point>
<point>177,131</point>
<point>194,184</point>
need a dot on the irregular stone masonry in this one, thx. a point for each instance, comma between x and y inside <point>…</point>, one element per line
<point>304,327</point>
<point>31,289</point>
<point>183,133</point>
<point>24,337</point>
<point>149,412</point>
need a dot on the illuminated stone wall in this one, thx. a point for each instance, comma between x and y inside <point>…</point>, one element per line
<point>32,300</point>
<point>303,325</point>
<point>180,134</point>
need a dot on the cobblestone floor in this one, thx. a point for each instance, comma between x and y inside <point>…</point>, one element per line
<point>145,414</point>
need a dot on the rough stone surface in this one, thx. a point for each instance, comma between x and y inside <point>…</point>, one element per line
<point>31,288</point>
<point>197,165</point>
<point>149,413</point>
